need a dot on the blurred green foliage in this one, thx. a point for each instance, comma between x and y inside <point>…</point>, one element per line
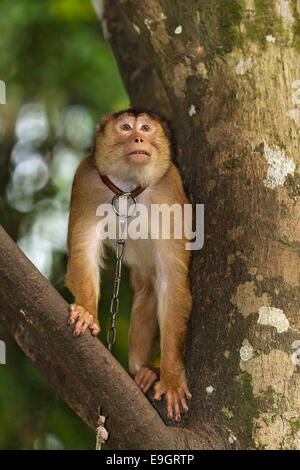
<point>54,50</point>
<point>52,54</point>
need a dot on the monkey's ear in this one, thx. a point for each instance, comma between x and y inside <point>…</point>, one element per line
<point>103,122</point>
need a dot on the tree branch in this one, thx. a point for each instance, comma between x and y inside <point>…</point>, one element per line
<point>80,369</point>
<point>133,56</point>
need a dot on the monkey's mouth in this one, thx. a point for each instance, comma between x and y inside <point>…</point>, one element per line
<point>140,152</point>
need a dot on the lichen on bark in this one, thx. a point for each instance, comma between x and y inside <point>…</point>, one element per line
<point>229,74</point>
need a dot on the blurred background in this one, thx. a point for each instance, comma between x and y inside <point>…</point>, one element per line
<point>61,77</point>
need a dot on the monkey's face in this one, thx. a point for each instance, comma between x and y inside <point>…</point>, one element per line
<point>136,137</point>
<point>133,146</point>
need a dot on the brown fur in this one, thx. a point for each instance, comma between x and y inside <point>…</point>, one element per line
<point>159,268</point>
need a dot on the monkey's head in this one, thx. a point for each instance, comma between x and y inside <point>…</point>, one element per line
<point>133,145</point>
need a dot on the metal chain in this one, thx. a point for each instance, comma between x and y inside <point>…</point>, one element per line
<point>120,247</point>
<point>114,305</point>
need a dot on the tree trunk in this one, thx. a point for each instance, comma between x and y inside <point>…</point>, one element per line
<point>226,73</point>
<point>81,370</point>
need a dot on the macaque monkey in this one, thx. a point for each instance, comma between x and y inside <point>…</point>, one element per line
<point>132,148</point>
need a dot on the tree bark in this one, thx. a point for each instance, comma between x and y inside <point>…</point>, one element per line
<point>81,369</point>
<point>227,75</point>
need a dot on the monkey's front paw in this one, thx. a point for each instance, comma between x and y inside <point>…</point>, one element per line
<point>145,378</point>
<point>84,321</point>
<point>175,395</point>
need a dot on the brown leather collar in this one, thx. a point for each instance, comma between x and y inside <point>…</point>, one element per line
<point>119,191</point>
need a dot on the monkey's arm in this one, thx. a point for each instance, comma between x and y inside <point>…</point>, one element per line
<point>174,301</point>
<point>174,306</point>
<point>85,250</point>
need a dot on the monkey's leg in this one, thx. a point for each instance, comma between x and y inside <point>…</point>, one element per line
<point>83,281</point>
<point>174,309</point>
<point>143,330</point>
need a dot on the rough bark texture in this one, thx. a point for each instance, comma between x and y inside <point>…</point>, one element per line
<point>81,370</point>
<point>227,75</point>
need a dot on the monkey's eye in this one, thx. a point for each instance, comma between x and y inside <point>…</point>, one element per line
<point>145,128</point>
<point>125,127</point>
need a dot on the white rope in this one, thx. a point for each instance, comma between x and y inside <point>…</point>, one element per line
<point>101,432</point>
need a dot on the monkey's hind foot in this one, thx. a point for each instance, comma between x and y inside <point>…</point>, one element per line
<point>175,397</point>
<point>84,320</point>
<point>145,378</point>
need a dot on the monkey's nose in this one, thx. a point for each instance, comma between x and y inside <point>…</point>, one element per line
<point>138,140</point>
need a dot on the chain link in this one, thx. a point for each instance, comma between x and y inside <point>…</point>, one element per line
<point>120,247</point>
<point>114,305</point>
